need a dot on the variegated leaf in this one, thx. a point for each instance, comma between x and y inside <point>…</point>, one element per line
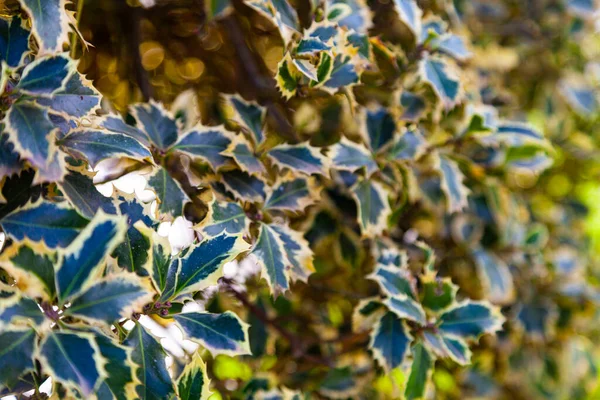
<point>20,311</point>
<point>495,277</point>
<point>97,145</point>
<point>297,250</point>
<point>413,106</point>
<point>420,372</point>
<point>78,98</point>
<point>452,185</point>
<point>350,156</point>
<point>115,124</point>
<point>379,127</point>
<point>272,257</point>
<point>225,217</point>
<point>161,260</point>
<point>81,192</point>
<point>389,341</point>
<point>287,77</point>
<point>83,260</point>
<point>301,157</point>
<point>410,146</point>
<point>111,298</point>
<point>244,186</point>
<point>437,294</point>
<point>157,124</point>
<point>470,320</point>
<point>373,206</point>
<point>134,253</point>
<point>410,14</point>
<point>45,75</point>
<point>32,270</point>
<point>394,281</point>
<point>516,134</point>
<point>249,115</point>
<point>406,308</point>
<point>193,383</point>
<point>14,41</point>
<point>31,132</point>
<point>16,355</point>
<point>457,350</point>
<point>171,197</point>
<point>366,313</point>
<point>205,144</point>
<point>73,359</point>
<point>241,152</point>
<point>343,73</point>
<point>50,23</point>
<point>218,333</point>
<point>154,380</point>
<point>442,79</point>
<point>119,383</point>
<point>10,162</point>
<point>53,223</point>
<point>201,265</point>
<point>292,195</point>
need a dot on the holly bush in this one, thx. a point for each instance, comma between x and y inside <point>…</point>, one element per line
<point>381,199</point>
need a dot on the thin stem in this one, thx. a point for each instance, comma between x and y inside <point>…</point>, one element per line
<point>74,34</point>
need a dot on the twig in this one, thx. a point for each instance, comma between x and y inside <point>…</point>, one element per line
<point>131,24</point>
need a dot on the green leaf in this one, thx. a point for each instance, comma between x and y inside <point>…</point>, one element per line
<point>389,341</point>
<point>78,98</point>
<point>45,75</point>
<point>97,145</point>
<point>301,158</point>
<point>420,372</point>
<point>516,134</point>
<point>161,260</point>
<point>452,185</point>
<point>10,162</point>
<point>225,217</point>
<point>495,277</point>
<point>244,186</point>
<point>79,188</point>
<point>410,146</point>
<point>157,124</point>
<point>373,207</point>
<point>406,308</point>
<point>170,195</point>
<point>111,298</point>
<point>193,383</point>
<point>205,144</point>
<point>217,8</point>
<point>14,41</point>
<point>218,333</point>
<point>201,265</point>
<point>83,260</point>
<point>50,23</point>
<point>291,195</point>
<point>311,46</point>
<point>148,354</point>
<point>457,350</point>
<point>31,132</point>
<point>413,106</point>
<point>73,359</point>
<point>470,320</point>
<point>32,270</point>
<point>16,355</point>
<point>367,313</point>
<point>393,280</point>
<point>444,82</point>
<point>272,257</point>
<point>437,294</point>
<point>350,156</point>
<point>115,124</point>
<point>53,223</point>
<point>288,77</point>
<point>343,73</point>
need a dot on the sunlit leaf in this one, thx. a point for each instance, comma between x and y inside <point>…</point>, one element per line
<point>406,308</point>
<point>409,146</point>
<point>297,250</point>
<point>32,270</point>
<point>287,77</point>
<point>218,333</point>
<point>225,217</point>
<point>193,383</point>
<point>78,98</point>
<point>119,382</point>
<point>393,280</point>
<point>20,311</point>
<point>452,185</point>
<point>343,73</point>
<point>444,82</point>
<point>437,294</point>
<point>410,14</point>
<point>272,257</point>
<point>470,320</point>
<point>495,277</point>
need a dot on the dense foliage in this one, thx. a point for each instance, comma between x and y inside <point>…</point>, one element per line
<point>414,180</point>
